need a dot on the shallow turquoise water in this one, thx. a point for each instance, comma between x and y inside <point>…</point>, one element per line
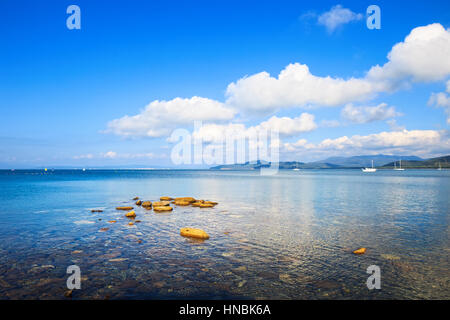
<point>288,236</point>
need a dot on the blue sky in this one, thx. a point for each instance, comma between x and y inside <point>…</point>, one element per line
<point>61,89</point>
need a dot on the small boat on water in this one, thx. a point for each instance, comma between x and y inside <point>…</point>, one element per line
<point>369,169</point>
<point>400,168</point>
<point>296,169</point>
<point>440,167</point>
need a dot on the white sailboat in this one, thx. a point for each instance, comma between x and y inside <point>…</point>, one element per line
<point>440,167</point>
<point>400,168</point>
<point>369,169</point>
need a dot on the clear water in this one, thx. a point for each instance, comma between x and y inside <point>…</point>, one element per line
<point>288,236</point>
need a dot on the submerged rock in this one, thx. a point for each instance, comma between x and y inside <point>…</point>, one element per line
<point>112,221</point>
<point>360,251</point>
<point>103,229</point>
<point>124,208</point>
<point>194,233</point>
<point>68,294</point>
<point>162,209</point>
<point>96,210</point>
<point>206,205</point>
<point>136,198</point>
<point>390,257</point>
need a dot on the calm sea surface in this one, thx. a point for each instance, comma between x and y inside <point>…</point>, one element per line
<point>288,236</point>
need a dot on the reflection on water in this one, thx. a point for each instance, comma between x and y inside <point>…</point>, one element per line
<point>288,236</point>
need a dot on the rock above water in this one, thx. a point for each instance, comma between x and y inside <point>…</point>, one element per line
<point>136,198</point>
<point>124,208</point>
<point>166,198</point>
<point>188,199</point>
<point>96,210</point>
<point>194,233</point>
<point>147,204</point>
<point>162,209</point>
<point>130,214</point>
<point>139,202</point>
<point>161,203</point>
<point>360,251</point>
<point>181,203</point>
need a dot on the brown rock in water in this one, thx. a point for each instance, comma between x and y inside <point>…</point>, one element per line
<point>130,214</point>
<point>147,204</point>
<point>112,221</point>
<point>360,251</point>
<point>68,294</point>
<point>136,198</point>
<point>181,203</point>
<point>124,208</point>
<point>166,198</point>
<point>139,202</point>
<point>194,233</point>
<point>130,223</point>
<point>197,204</point>
<point>188,199</point>
<point>162,209</point>
<point>211,202</point>
<point>161,203</point>
<point>104,229</point>
<point>96,210</point>
<point>206,205</point>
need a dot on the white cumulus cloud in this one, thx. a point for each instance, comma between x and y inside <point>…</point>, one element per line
<point>423,56</point>
<point>285,126</point>
<point>159,118</point>
<point>420,142</point>
<point>365,114</point>
<point>338,16</point>
<point>442,100</point>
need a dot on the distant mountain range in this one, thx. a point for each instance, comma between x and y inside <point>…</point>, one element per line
<point>381,161</point>
<point>443,162</point>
